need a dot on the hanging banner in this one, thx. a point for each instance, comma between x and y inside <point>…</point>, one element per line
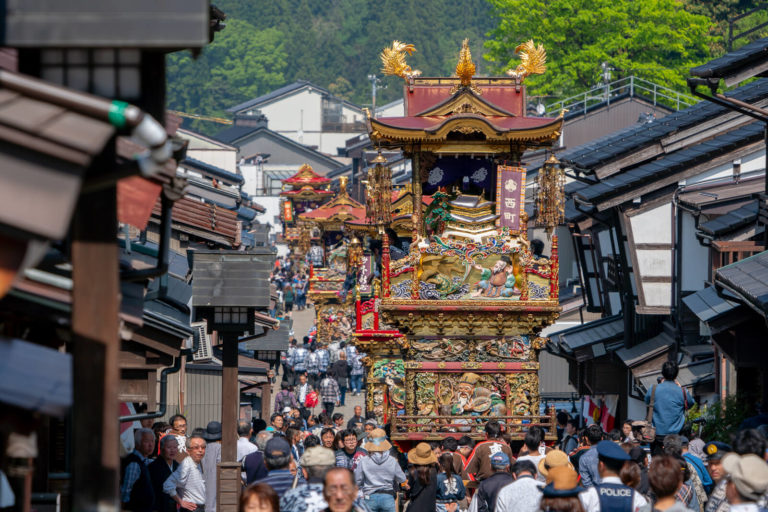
<point>600,409</point>
<point>510,196</point>
<point>287,211</point>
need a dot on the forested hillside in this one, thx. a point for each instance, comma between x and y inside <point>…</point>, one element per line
<point>336,44</point>
<point>333,43</point>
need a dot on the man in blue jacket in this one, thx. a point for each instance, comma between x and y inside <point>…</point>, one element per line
<point>670,401</point>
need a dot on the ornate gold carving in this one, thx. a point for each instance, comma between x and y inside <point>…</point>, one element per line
<point>468,129</point>
<point>470,366</point>
<point>393,60</point>
<point>465,69</point>
<point>533,61</point>
<point>458,323</point>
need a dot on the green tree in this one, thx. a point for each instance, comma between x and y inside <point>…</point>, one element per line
<point>654,39</point>
<point>242,63</point>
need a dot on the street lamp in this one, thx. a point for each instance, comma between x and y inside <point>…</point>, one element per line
<point>228,287</point>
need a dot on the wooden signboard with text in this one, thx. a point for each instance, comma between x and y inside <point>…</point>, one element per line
<point>510,196</point>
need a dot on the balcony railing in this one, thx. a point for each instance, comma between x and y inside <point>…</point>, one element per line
<point>631,86</point>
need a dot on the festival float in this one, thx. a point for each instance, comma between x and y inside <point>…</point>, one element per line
<point>302,192</point>
<point>331,286</point>
<point>452,336</point>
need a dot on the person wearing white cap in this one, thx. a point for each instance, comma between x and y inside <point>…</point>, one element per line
<point>747,477</point>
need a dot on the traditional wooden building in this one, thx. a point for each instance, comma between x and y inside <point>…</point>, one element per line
<point>69,150</point>
<point>638,202</point>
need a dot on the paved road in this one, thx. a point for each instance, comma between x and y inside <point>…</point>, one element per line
<point>302,322</point>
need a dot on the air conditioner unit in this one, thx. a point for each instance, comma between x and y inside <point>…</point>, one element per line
<point>204,351</point>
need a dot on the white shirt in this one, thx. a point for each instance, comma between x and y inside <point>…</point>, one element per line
<point>244,448</point>
<point>744,507</point>
<point>522,495</point>
<point>591,501</point>
<point>302,392</point>
<point>187,481</point>
<point>535,459</point>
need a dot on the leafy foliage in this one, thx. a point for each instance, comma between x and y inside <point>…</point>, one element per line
<point>721,419</point>
<point>335,44</point>
<point>654,39</point>
<point>242,63</point>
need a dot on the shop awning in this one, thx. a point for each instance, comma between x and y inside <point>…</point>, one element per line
<point>646,351</point>
<point>35,378</point>
<point>593,339</point>
<point>748,280</point>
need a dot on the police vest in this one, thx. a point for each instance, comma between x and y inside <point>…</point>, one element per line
<point>615,497</point>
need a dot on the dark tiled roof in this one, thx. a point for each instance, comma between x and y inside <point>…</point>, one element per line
<point>245,213</point>
<point>272,340</point>
<point>233,133</point>
<point>707,305</point>
<point>605,329</point>
<point>571,213</point>
<point>646,350</point>
<point>213,170</point>
<point>671,163</point>
<point>749,279</point>
<point>295,86</point>
<point>617,144</point>
<point>731,63</point>
<point>299,84</point>
<point>732,220</point>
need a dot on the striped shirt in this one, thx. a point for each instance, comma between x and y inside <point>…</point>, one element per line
<point>188,482</point>
<point>279,479</point>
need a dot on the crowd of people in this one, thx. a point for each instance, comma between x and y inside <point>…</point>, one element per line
<point>300,461</point>
<point>327,463</point>
<point>288,288</point>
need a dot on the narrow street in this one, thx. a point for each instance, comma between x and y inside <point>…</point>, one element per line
<point>302,322</point>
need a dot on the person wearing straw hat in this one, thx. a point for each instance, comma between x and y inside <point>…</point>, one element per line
<point>553,459</point>
<point>377,473</point>
<point>421,486</point>
<point>562,493</point>
<point>524,494</point>
<point>611,495</point>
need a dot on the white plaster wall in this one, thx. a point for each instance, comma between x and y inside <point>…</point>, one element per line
<point>750,162</point>
<point>653,226</point>
<point>349,114</point>
<point>295,112</point>
<point>657,294</point>
<point>394,109</point>
<point>250,175</point>
<point>272,215</point>
<point>224,159</point>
